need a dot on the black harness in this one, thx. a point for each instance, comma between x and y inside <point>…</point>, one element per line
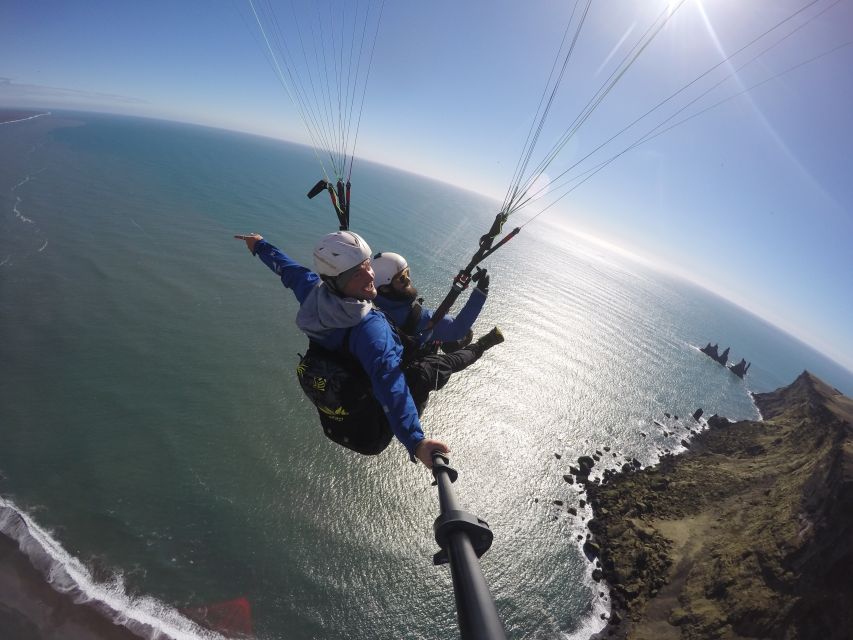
<point>336,383</point>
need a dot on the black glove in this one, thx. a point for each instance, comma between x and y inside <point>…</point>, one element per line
<point>482,280</point>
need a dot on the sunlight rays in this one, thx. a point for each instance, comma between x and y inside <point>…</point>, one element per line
<point>807,176</point>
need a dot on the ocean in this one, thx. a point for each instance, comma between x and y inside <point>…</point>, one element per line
<point>156,452</point>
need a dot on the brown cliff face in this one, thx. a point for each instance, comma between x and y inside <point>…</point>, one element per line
<point>747,535</point>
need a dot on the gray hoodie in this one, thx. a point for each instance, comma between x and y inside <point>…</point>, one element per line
<point>322,312</point>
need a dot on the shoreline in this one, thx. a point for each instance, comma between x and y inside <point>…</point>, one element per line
<point>747,533</point>
<point>46,594</point>
<point>30,609</point>
<point>19,115</point>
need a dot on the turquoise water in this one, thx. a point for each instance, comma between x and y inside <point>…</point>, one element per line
<point>152,426</point>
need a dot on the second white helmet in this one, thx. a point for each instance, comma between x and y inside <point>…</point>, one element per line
<point>338,252</point>
<point>386,265</point>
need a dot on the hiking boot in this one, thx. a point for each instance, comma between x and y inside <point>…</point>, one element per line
<point>492,338</point>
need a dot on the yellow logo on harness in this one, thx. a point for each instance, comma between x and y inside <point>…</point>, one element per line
<point>335,414</point>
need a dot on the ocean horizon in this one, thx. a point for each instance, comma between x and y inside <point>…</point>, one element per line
<point>158,455</point>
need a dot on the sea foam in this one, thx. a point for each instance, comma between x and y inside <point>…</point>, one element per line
<point>33,117</point>
<point>145,616</point>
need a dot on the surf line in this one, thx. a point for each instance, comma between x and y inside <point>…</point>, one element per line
<point>28,178</point>
<point>38,115</point>
<point>144,616</point>
<point>21,183</point>
<point>18,213</point>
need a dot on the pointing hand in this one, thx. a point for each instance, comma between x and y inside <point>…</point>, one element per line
<point>251,239</point>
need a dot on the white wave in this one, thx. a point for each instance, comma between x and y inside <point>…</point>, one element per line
<point>5,260</point>
<point>43,246</point>
<point>21,183</point>
<point>18,213</point>
<point>755,405</point>
<point>38,115</point>
<point>29,177</point>
<point>145,616</point>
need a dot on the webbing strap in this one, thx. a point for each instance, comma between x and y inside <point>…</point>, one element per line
<point>411,324</point>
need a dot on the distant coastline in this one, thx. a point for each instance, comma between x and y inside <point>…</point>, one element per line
<point>749,533</point>
<point>8,117</point>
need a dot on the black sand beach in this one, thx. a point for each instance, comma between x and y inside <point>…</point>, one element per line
<point>31,610</point>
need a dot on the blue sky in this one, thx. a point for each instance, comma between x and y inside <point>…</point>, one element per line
<point>752,199</point>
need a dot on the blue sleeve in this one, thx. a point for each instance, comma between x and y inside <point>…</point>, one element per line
<point>455,328</point>
<point>294,276</point>
<point>380,353</point>
<point>398,313</point>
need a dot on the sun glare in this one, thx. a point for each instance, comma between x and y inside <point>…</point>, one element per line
<point>672,5</point>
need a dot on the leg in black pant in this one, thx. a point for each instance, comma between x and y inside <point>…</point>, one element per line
<point>432,372</point>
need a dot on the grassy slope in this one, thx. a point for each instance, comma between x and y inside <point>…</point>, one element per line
<point>749,534</point>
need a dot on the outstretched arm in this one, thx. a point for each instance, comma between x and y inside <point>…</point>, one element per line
<point>294,276</point>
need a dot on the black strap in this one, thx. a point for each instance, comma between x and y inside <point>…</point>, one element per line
<point>345,343</point>
<point>343,352</point>
<point>410,326</point>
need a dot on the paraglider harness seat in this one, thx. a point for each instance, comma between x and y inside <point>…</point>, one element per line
<point>336,383</point>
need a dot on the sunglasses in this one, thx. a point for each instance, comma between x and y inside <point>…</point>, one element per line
<point>403,278</point>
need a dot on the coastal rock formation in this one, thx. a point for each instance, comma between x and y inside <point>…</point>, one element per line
<point>711,351</point>
<point>749,534</point>
<point>740,368</point>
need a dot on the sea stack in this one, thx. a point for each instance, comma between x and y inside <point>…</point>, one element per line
<point>740,368</point>
<point>711,351</point>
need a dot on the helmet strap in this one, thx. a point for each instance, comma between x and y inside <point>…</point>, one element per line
<point>333,284</point>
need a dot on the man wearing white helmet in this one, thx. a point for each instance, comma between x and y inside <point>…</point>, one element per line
<point>398,298</point>
<point>352,341</point>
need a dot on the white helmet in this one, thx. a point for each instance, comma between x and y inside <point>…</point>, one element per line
<point>386,265</point>
<point>338,252</point>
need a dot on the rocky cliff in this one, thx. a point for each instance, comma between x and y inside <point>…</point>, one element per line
<point>749,534</point>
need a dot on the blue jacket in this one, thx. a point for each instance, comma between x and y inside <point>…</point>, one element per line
<point>371,341</point>
<point>448,329</point>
